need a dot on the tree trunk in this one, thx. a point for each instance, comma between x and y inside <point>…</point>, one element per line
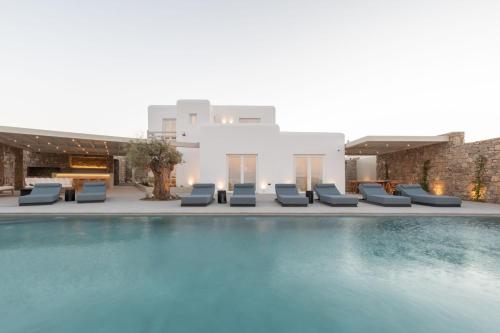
<point>161,190</point>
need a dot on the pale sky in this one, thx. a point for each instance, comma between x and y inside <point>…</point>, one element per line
<point>360,67</point>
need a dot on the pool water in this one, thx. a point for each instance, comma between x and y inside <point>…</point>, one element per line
<point>249,274</point>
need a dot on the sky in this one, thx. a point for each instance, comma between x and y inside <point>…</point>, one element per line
<point>359,67</point>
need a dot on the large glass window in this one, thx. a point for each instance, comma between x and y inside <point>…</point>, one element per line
<point>241,169</point>
<point>308,171</point>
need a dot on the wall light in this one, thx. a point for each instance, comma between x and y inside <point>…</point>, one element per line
<point>438,188</point>
<point>190,182</point>
<point>231,120</point>
<point>224,120</point>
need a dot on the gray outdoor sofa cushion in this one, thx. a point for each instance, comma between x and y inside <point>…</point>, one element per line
<point>375,193</point>
<point>92,192</point>
<point>287,195</point>
<point>330,195</point>
<point>243,195</point>
<point>201,195</point>
<point>420,196</point>
<point>41,194</point>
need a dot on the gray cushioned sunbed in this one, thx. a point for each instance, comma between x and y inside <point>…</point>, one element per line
<point>420,196</point>
<point>201,195</point>
<point>243,195</point>
<point>330,195</point>
<point>41,194</point>
<point>287,195</point>
<point>375,193</point>
<point>92,192</point>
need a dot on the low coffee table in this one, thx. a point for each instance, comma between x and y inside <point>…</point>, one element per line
<point>310,196</point>
<point>69,194</point>
<point>221,196</point>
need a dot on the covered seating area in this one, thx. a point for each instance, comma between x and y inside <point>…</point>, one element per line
<point>41,156</point>
<point>376,146</point>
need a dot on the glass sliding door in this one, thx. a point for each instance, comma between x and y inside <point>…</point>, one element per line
<point>249,169</point>
<point>301,172</point>
<point>316,164</point>
<point>241,169</point>
<point>233,171</point>
<point>308,171</point>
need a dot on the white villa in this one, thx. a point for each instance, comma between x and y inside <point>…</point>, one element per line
<point>225,145</point>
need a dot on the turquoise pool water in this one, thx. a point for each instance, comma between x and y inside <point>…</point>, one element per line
<point>265,274</point>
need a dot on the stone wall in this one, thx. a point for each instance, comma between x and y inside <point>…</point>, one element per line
<point>2,166</point>
<point>351,172</point>
<point>452,166</point>
<point>11,166</point>
<point>46,160</point>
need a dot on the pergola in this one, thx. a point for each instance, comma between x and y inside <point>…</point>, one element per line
<point>378,145</point>
<point>57,142</point>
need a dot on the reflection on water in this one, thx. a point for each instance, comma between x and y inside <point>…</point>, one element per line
<point>188,274</point>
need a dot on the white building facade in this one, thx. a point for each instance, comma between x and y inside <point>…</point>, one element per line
<point>243,144</point>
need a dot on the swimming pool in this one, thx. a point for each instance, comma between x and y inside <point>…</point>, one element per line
<point>249,274</point>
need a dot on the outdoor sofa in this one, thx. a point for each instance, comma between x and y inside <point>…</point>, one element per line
<point>243,195</point>
<point>330,195</point>
<point>419,196</point>
<point>41,194</point>
<point>201,195</point>
<point>375,194</point>
<point>92,192</point>
<point>287,195</point>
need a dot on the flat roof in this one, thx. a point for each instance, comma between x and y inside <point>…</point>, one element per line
<point>383,144</point>
<point>57,142</point>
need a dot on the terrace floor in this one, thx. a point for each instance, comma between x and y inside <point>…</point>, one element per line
<point>125,200</point>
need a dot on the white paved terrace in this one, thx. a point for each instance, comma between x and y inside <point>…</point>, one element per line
<point>125,200</point>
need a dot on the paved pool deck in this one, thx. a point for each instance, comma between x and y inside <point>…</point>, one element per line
<point>125,200</point>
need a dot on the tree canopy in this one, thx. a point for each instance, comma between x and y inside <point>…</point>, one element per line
<point>159,156</point>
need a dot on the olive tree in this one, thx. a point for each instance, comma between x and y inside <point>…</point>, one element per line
<point>160,157</point>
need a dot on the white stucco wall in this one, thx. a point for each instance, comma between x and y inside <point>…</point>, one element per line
<point>232,113</point>
<point>158,112</point>
<point>275,153</point>
<point>275,150</point>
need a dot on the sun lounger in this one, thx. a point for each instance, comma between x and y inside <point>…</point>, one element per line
<point>287,195</point>
<point>375,194</point>
<point>243,195</point>
<point>330,195</point>
<point>92,192</point>
<point>42,194</point>
<point>418,195</point>
<point>201,195</point>
<point>7,188</point>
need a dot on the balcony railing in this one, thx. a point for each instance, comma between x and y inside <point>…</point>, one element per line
<point>162,135</point>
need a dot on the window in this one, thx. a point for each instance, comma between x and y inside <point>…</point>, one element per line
<point>241,169</point>
<point>169,128</point>
<point>308,171</point>
<point>193,119</point>
<point>249,120</point>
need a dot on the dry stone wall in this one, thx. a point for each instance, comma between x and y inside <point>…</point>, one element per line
<point>351,172</point>
<point>452,166</point>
